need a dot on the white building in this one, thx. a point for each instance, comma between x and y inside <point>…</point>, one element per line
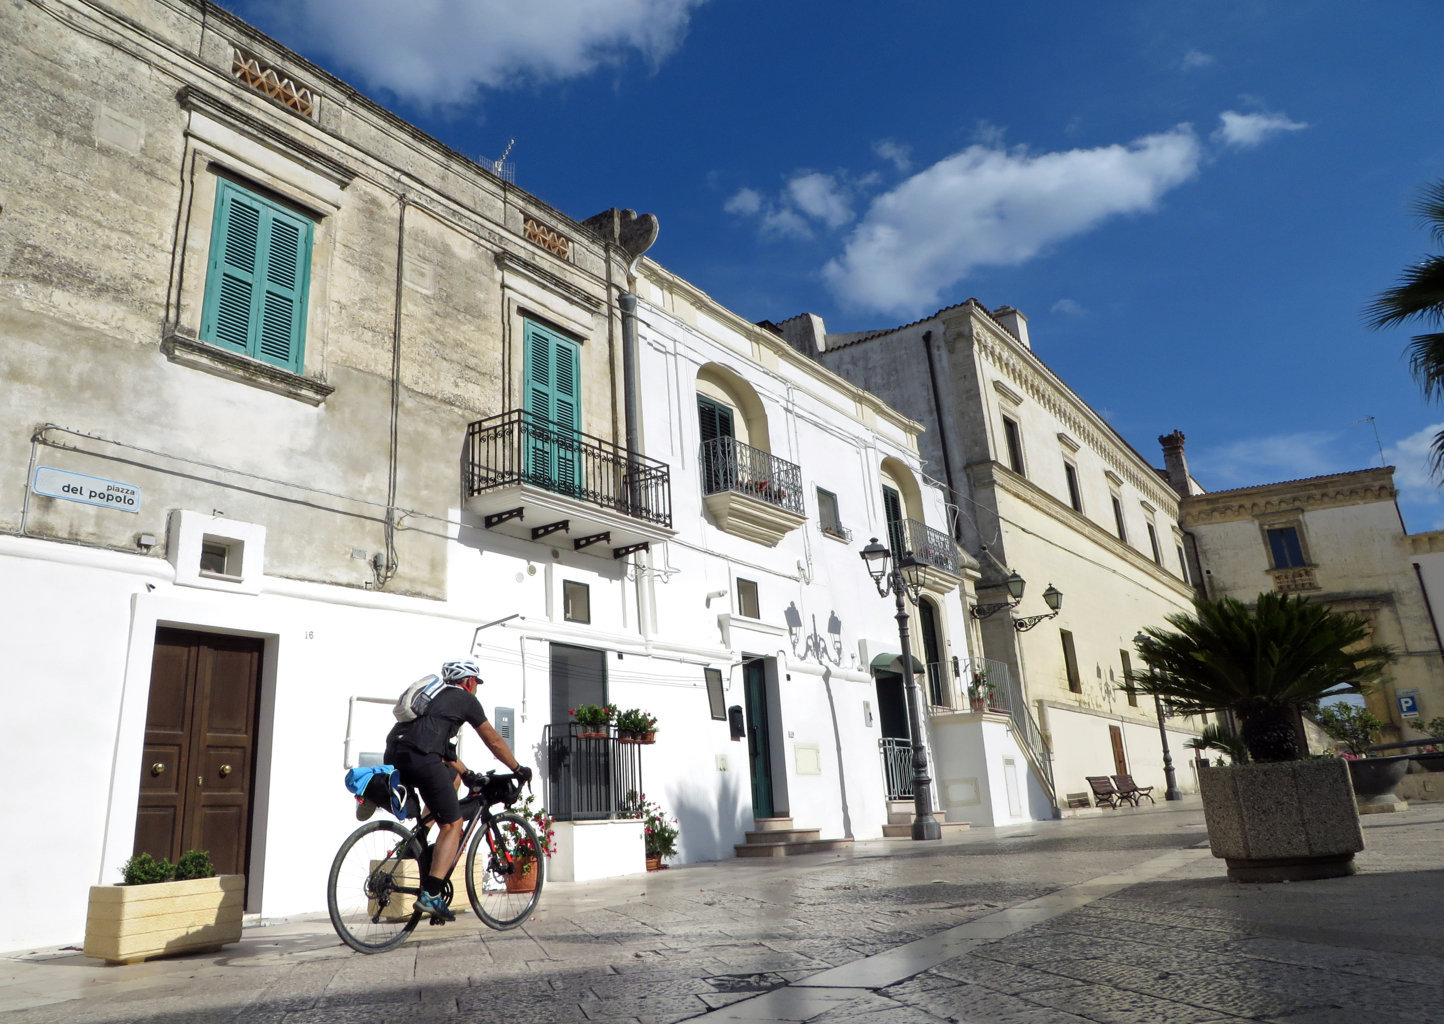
<point>299,403</point>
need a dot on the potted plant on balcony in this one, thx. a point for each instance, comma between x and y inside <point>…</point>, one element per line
<point>1281,817</point>
<point>594,720</point>
<point>636,726</point>
<point>1374,778</point>
<point>164,909</point>
<point>519,847</point>
<point>980,691</point>
<point>659,831</point>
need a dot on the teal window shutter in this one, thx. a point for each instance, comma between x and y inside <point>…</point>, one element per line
<point>553,407</point>
<point>257,279</point>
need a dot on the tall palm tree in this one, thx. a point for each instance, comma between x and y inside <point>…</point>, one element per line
<point>1259,663</point>
<point>1419,296</point>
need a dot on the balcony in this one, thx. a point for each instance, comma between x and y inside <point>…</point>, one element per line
<point>749,492</point>
<point>932,548</point>
<point>529,477</point>
<point>590,779</point>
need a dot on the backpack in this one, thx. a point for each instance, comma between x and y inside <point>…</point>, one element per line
<point>414,699</point>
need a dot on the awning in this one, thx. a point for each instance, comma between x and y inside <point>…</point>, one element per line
<point>891,661</point>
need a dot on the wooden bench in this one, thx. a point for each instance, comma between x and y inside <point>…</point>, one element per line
<point>1104,792</point>
<point>1131,791</point>
<point>1077,800</point>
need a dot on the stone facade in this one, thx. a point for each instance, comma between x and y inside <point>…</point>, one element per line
<point>1338,539</point>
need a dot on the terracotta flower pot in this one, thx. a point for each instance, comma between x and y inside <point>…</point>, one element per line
<point>654,863</point>
<point>524,878</point>
<point>628,737</point>
<point>650,736</point>
<point>592,735</point>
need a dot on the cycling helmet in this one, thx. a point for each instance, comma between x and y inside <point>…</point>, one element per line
<point>460,668</point>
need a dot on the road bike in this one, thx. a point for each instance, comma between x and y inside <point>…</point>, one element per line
<point>377,873</point>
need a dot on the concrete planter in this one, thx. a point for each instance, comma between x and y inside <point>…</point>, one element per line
<point>1374,780</point>
<point>130,923</point>
<point>1282,822</point>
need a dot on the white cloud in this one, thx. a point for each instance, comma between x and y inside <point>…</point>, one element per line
<point>1196,59</point>
<point>440,52</point>
<point>747,202</point>
<point>785,222</point>
<point>820,197</point>
<point>1244,131</point>
<point>987,205</point>
<point>895,153</point>
<point>1412,458</point>
<point>1068,307</point>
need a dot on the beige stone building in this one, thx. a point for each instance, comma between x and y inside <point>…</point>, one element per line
<point>1043,488</point>
<point>1338,539</point>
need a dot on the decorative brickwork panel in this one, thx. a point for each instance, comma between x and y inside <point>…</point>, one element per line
<point>249,70</point>
<point>1293,581</point>
<point>552,241</point>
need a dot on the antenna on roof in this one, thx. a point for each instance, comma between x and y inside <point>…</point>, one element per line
<point>1370,421</point>
<point>499,166</point>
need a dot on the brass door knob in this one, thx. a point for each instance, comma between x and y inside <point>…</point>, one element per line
<point>157,769</point>
<point>225,770</point>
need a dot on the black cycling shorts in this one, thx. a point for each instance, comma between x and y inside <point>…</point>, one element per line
<point>429,776</point>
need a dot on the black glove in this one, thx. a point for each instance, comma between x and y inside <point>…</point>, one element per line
<point>473,780</point>
<point>523,774</point>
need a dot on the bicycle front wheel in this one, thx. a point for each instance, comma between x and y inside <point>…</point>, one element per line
<point>371,893</point>
<point>504,890</point>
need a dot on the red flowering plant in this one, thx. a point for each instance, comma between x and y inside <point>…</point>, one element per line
<point>660,831</point>
<point>518,844</point>
<point>594,716</point>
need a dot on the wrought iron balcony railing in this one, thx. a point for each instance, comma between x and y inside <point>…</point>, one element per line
<point>590,779</point>
<point>729,465</point>
<point>521,448</point>
<point>931,547</point>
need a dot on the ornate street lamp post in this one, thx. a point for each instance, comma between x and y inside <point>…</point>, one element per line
<point>906,577</point>
<point>1171,791</point>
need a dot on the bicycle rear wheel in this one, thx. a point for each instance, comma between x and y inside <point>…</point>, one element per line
<point>494,878</point>
<point>366,909</point>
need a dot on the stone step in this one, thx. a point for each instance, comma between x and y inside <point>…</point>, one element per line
<point>791,849</point>
<point>899,813</point>
<point>905,829</point>
<point>774,824</point>
<point>788,835</point>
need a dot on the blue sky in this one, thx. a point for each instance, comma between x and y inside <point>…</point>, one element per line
<point>1191,201</point>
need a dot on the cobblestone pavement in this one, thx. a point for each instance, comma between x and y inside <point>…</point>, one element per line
<point>1122,917</point>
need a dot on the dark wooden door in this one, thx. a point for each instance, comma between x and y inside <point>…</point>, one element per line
<point>1120,761</point>
<point>759,739</point>
<point>198,770</point>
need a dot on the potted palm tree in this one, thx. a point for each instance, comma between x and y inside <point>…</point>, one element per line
<point>1283,816</point>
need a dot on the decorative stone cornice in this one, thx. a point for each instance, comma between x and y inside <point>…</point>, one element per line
<point>268,135</point>
<point>1336,490</point>
<point>1025,371</point>
<point>511,261</point>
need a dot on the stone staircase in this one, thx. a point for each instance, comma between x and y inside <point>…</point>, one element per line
<point>775,837</point>
<point>900,821</point>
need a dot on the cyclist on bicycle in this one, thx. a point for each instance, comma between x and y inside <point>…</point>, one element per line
<point>424,751</point>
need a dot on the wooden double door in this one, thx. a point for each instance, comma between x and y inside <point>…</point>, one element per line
<point>198,772</point>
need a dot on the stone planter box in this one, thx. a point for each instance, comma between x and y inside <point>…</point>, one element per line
<point>1375,779</point>
<point>130,923</point>
<point>1282,822</point>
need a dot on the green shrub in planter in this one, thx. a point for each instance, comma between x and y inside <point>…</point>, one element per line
<point>143,869</point>
<point>194,864</point>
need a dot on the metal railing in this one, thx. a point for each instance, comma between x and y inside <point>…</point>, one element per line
<point>729,465</point>
<point>897,766</point>
<point>521,448</point>
<point>834,530</point>
<point>590,778</point>
<point>930,547</point>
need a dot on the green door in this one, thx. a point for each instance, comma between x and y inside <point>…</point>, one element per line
<point>893,513</point>
<point>759,742</point>
<point>553,408</point>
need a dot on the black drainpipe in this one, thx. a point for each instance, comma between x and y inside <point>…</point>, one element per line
<point>942,433</point>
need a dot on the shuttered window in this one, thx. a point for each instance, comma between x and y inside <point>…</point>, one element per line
<point>893,513</point>
<point>552,387</point>
<point>257,278</point>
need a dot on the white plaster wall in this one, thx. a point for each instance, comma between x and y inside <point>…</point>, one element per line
<point>972,751</point>
<point>1082,747</point>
